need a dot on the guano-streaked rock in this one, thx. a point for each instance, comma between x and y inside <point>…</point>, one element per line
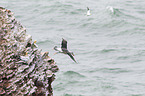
<point>24,70</point>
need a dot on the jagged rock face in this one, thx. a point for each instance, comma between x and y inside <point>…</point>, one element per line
<point>24,70</point>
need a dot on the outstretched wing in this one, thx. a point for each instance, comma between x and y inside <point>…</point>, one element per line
<point>64,44</point>
<point>71,56</point>
<point>88,8</point>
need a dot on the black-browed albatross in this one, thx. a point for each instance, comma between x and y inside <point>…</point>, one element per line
<point>64,50</point>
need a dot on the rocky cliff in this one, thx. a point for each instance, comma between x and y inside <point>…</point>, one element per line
<point>24,69</point>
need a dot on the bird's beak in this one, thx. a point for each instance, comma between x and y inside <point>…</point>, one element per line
<point>26,54</point>
<point>35,42</point>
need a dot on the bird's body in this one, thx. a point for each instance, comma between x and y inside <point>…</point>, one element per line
<point>64,49</point>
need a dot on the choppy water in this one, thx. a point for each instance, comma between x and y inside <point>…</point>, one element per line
<point>109,46</point>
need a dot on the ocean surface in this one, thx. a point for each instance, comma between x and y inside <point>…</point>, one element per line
<point>109,45</point>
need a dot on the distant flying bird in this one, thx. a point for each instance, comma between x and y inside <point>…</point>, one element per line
<point>88,11</point>
<point>64,50</point>
<point>110,8</point>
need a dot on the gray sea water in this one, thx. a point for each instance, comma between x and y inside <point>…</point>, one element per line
<point>109,45</point>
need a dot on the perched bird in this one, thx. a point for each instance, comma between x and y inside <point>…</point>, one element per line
<point>64,50</point>
<point>88,11</point>
<point>22,59</point>
<point>25,57</point>
<point>34,44</point>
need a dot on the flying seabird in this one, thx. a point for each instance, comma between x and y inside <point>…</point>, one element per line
<point>110,8</point>
<point>64,50</point>
<point>88,11</point>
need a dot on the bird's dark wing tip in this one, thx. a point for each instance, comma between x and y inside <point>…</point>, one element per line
<point>72,57</point>
<point>76,62</point>
<point>88,8</point>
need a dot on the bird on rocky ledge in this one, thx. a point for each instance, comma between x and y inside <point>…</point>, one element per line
<point>64,50</point>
